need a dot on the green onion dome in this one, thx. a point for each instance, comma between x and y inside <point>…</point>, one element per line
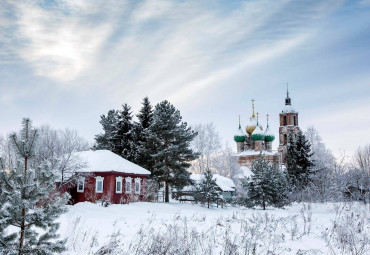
<point>239,137</point>
<point>269,136</point>
<point>258,134</point>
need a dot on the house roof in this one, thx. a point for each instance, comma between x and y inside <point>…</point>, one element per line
<point>107,161</point>
<point>225,184</point>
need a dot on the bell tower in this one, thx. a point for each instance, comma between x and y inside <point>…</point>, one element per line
<point>288,124</point>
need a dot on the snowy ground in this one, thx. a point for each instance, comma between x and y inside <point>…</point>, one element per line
<point>145,228</point>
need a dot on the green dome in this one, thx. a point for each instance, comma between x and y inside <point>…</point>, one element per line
<point>258,134</point>
<point>239,137</point>
<point>269,136</point>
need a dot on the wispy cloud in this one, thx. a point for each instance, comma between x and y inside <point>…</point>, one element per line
<point>110,52</point>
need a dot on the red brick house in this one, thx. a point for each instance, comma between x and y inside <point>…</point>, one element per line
<point>108,176</point>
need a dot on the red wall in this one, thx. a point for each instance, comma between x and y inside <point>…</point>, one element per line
<point>109,189</point>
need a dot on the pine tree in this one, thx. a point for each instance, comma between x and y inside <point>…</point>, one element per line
<point>168,145</point>
<point>207,189</point>
<point>145,119</point>
<point>123,134</point>
<point>298,160</point>
<point>304,158</point>
<point>27,201</point>
<point>291,160</point>
<point>105,140</point>
<point>145,115</point>
<point>268,185</point>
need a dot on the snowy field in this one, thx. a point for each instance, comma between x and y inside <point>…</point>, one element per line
<point>174,228</point>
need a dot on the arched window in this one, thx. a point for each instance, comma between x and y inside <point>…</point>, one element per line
<point>295,121</point>
<point>285,139</point>
<point>284,120</point>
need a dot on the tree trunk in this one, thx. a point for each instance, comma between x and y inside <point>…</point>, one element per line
<point>167,195</point>
<point>23,214</point>
<point>208,202</point>
<point>263,204</point>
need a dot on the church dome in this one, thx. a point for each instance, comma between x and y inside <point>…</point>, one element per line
<point>269,136</point>
<point>288,109</point>
<point>258,134</point>
<point>251,125</point>
<point>239,137</point>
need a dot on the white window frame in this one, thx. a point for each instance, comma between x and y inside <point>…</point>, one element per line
<point>98,179</point>
<point>137,181</point>
<point>119,180</point>
<point>81,179</point>
<point>128,180</point>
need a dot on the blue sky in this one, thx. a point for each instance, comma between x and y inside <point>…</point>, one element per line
<point>67,62</point>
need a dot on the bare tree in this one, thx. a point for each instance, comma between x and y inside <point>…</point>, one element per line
<point>208,144</point>
<point>60,147</point>
<point>361,158</point>
<point>225,163</point>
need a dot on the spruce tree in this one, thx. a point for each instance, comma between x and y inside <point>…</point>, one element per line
<point>28,203</point>
<point>105,141</point>
<point>123,134</point>
<point>168,145</point>
<point>267,186</point>
<point>207,188</point>
<point>304,161</point>
<point>145,119</point>
<point>145,115</point>
<point>298,160</point>
<point>291,160</point>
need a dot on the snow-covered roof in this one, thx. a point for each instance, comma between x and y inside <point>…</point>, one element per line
<point>107,161</point>
<point>225,184</point>
<point>253,152</point>
<point>288,109</point>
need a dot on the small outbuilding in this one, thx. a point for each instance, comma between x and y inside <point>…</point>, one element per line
<point>107,176</point>
<point>225,186</point>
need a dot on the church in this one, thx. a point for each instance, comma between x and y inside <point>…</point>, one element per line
<point>257,141</point>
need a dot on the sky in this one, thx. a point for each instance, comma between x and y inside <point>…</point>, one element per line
<point>66,62</point>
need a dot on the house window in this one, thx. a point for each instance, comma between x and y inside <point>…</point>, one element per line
<point>295,121</point>
<point>99,184</point>
<point>128,185</point>
<point>118,184</point>
<point>137,185</point>
<point>81,184</point>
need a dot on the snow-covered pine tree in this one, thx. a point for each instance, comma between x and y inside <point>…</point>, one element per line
<point>145,115</point>
<point>268,185</point>
<point>298,160</point>
<point>304,161</point>
<point>27,203</point>
<point>145,119</point>
<point>280,187</point>
<point>291,160</point>
<point>168,144</point>
<point>105,140</point>
<point>207,188</point>
<point>122,134</point>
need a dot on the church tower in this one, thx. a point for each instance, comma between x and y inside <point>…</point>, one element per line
<point>288,124</point>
